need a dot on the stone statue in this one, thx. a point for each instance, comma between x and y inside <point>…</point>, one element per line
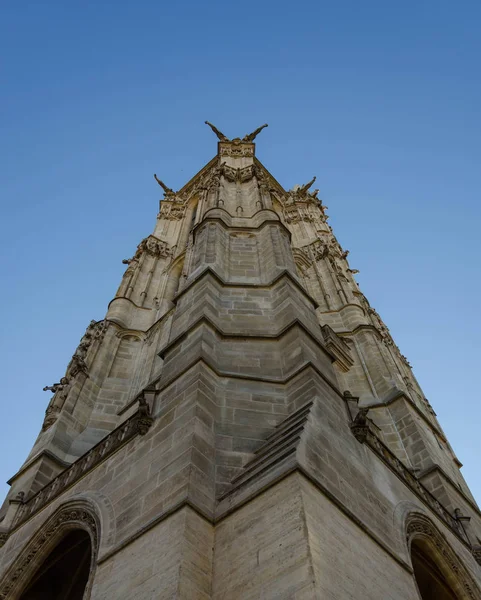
<point>60,392</point>
<point>252,136</point>
<point>168,191</point>
<point>360,426</point>
<point>218,133</point>
<point>82,349</point>
<point>361,417</point>
<point>86,340</point>
<point>77,365</point>
<point>57,387</point>
<point>303,189</point>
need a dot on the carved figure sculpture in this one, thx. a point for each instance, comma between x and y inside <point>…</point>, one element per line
<point>60,392</point>
<point>56,387</point>
<point>303,189</point>
<point>360,425</point>
<point>250,137</point>
<point>168,191</point>
<point>218,133</point>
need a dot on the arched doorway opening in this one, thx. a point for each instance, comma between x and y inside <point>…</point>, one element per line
<point>438,570</point>
<point>431,582</point>
<point>64,574</point>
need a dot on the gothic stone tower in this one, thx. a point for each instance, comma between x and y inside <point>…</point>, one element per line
<point>240,426</point>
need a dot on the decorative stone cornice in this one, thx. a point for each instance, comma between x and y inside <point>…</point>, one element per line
<point>172,210</point>
<point>236,149</point>
<point>150,246</point>
<point>442,473</point>
<point>384,453</point>
<point>137,424</point>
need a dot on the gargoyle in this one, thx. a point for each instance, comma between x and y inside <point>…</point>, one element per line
<point>360,425</point>
<point>218,133</point>
<point>303,189</point>
<point>250,137</point>
<point>167,190</point>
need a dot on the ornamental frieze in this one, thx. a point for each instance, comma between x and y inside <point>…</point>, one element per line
<point>327,247</point>
<point>360,425</point>
<point>138,424</point>
<point>236,151</point>
<point>171,211</point>
<point>239,175</point>
<point>155,247</point>
<point>151,246</point>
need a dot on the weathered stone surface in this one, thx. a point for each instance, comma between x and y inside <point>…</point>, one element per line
<point>241,425</point>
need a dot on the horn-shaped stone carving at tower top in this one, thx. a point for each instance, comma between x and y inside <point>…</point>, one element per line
<point>249,137</point>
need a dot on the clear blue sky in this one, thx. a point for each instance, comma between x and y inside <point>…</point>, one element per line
<point>381,100</point>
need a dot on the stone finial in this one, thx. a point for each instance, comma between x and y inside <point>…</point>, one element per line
<point>167,190</point>
<point>218,133</point>
<point>250,137</point>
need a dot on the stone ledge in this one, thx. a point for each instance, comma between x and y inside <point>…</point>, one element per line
<point>138,424</point>
<point>226,335</point>
<point>257,221</point>
<point>447,478</point>
<point>227,284</point>
<point>43,454</point>
<point>231,375</point>
<point>412,482</point>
